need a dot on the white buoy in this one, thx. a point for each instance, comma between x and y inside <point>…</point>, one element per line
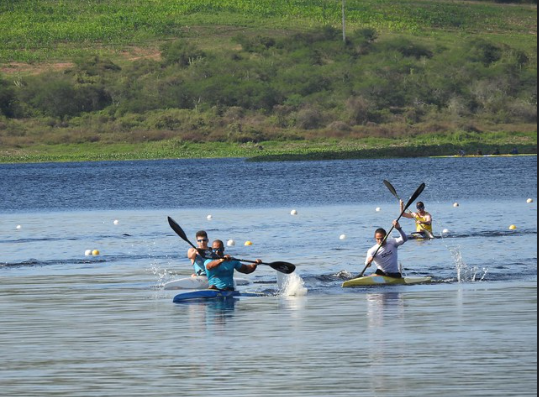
<point>378,209</point>
<point>445,232</point>
<point>294,213</point>
<point>19,227</point>
<point>209,217</point>
<point>343,237</point>
<point>456,205</point>
<point>116,222</point>
<point>530,200</point>
<point>88,253</point>
<point>231,243</point>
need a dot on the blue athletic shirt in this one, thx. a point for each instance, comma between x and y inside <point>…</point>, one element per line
<point>222,277</point>
<point>200,269</point>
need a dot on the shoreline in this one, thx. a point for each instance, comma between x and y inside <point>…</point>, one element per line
<point>323,150</point>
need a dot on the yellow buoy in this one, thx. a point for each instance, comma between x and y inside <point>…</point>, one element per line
<point>512,227</point>
<point>248,243</point>
<point>96,253</point>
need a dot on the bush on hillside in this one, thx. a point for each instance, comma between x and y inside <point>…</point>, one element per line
<point>181,53</point>
<point>8,99</point>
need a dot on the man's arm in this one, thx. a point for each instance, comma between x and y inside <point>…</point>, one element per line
<point>428,220</point>
<point>247,269</point>
<point>192,254</point>
<point>215,264</point>
<point>403,238</point>
<point>409,215</point>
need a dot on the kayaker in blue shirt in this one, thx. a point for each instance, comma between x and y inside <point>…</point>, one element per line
<point>199,256</point>
<point>220,270</point>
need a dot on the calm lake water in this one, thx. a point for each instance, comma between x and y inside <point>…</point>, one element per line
<point>73,325</point>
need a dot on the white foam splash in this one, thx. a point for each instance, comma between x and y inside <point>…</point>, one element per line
<point>466,273</point>
<point>291,285</point>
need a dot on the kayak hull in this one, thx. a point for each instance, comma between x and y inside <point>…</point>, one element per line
<point>426,236</point>
<point>379,280</point>
<point>197,283</point>
<point>209,295</point>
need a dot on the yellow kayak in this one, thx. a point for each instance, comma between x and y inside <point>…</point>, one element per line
<point>379,280</point>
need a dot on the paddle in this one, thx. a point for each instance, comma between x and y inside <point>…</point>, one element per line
<point>179,231</point>
<point>410,202</point>
<point>394,192</point>
<point>283,267</point>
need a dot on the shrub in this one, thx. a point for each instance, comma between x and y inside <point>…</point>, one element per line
<point>257,44</point>
<point>309,118</point>
<point>7,99</point>
<point>485,52</point>
<point>408,48</point>
<point>181,53</point>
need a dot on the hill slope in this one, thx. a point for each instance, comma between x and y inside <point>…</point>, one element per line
<point>235,72</point>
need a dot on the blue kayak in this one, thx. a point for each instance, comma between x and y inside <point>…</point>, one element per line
<point>211,295</point>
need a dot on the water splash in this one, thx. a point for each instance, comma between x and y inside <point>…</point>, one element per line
<point>291,285</point>
<point>466,273</point>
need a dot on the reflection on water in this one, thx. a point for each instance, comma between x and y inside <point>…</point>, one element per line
<point>386,312</point>
<point>211,315</point>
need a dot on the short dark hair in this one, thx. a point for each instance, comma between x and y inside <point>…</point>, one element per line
<point>420,204</point>
<point>202,233</point>
<point>381,231</point>
<point>220,242</point>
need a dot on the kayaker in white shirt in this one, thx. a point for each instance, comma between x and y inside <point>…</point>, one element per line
<point>387,258</point>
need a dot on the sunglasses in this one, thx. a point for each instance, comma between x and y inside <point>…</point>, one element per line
<point>205,240</point>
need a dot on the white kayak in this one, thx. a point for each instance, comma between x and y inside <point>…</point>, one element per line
<point>196,283</point>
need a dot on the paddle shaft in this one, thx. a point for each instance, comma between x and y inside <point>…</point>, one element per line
<point>410,202</point>
<point>282,267</point>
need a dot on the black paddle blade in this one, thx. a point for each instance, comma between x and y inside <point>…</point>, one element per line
<point>392,189</point>
<point>179,231</point>
<point>415,195</point>
<point>283,267</point>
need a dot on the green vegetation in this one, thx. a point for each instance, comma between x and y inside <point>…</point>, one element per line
<point>37,30</point>
<point>321,149</point>
<point>220,79</point>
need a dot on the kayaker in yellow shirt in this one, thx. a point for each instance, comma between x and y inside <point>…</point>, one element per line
<point>423,221</point>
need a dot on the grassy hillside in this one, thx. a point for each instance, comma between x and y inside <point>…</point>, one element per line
<point>162,78</point>
<point>38,30</point>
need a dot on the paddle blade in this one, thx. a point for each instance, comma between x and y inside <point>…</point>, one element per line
<point>283,267</point>
<point>415,196</point>
<point>392,189</point>
<point>179,231</point>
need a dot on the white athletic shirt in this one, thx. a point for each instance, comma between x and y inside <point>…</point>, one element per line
<point>387,259</point>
